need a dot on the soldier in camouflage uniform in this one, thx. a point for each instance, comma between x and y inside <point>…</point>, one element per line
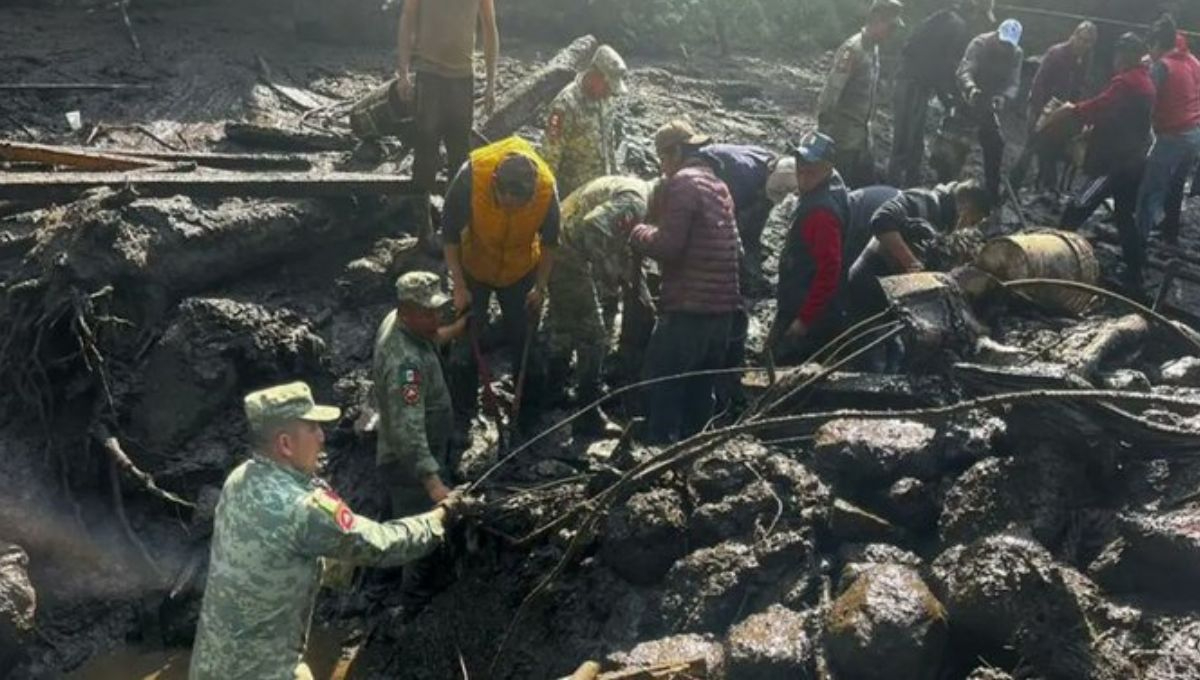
<point>416,417</point>
<point>592,256</point>
<point>847,100</point>
<point>580,142</point>
<point>277,525</point>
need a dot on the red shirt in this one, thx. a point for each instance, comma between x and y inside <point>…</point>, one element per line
<point>822,233</point>
<point>1134,81</point>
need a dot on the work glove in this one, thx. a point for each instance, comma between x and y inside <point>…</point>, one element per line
<point>460,505</point>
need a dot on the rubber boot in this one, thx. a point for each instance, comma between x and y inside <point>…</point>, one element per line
<point>593,422</point>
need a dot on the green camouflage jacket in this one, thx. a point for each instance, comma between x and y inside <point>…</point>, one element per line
<point>580,143</point>
<point>411,398</point>
<point>591,216</point>
<point>273,526</point>
<point>847,101</point>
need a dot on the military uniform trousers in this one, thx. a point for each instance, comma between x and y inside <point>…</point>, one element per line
<point>575,322</point>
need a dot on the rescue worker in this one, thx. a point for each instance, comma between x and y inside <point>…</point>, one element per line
<point>810,266</point>
<point>863,204</point>
<point>277,526</point>
<point>501,228</point>
<point>592,256</point>
<point>847,101</point>
<point>1176,75</point>
<point>695,243</point>
<point>913,221</point>
<point>437,44</point>
<point>1060,77</point>
<point>745,170</point>
<point>989,77</point>
<point>1120,118</point>
<point>927,68</point>
<point>416,417</point>
<point>581,142</point>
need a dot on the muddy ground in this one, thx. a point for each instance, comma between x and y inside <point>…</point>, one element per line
<point>1031,541</point>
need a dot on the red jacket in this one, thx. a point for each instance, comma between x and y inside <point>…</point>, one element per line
<point>1178,107</point>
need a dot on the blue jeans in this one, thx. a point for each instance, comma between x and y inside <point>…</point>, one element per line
<point>683,343</point>
<point>1161,193</point>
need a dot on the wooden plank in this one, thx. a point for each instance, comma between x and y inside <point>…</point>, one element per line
<point>81,159</point>
<point>222,161</point>
<point>53,186</point>
<point>282,139</point>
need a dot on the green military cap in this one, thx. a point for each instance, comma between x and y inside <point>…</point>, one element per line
<point>422,289</point>
<point>610,64</point>
<point>281,403</point>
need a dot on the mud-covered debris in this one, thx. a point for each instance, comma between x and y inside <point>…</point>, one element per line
<point>854,451</point>
<point>887,624</point>
<point>672,649</point>
<point>1183,372</point>
<point>1179,657</point>
<point>214,351</point>
<point>989,674</point>
<point>1036,490</point>
<point>373,278</point>
<point>852,524</point>
<point>913,504</point>
<point>704,591</point>
<point>645,536</point>
<point>18,603</point>
<point>1155,553</point>
<point>859,557</point>
<point>736,516</point>
<point>1125,379</point>
<point>772,645</point>
<point>969,438</point>
<point>725,472</point>
<point>802,491</point>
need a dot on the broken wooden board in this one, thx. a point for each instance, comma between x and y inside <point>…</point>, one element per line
<point>299,97</point>
<point>223,161</point>
<point>518,106</point>
<point>282,139</point>
<point>54,186</point>
<point>82,159</point>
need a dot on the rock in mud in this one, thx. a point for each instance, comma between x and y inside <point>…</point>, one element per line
<point>857,558</point>
<point>645,536</point>
<point>1007,592</point>
<point>1155,553</point>
<point>913,504</point>
<point>726,472</point>
<point>704,591</point>
<point>1035,490</point>
<point>852,451</point>
<point>18,603</point>
<point>736,516</point>
<point>373,278</point>
<point>1183,372</point>
<point>672,649</point>
<point>1127,380</point>
<point>852,524</point>
<point>970,438</point>
<point>773,645</point>
<point>1179,657</point>
<point>888,624</point>
<point>215,350</point>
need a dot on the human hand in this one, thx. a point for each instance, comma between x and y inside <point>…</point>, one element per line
<point>462,299</point>
<point>436,488</point>
<point>404,85</point>
<point>998,102</point>
<point>797,329</point>
<point>534,299</point>
<point>453,331</point>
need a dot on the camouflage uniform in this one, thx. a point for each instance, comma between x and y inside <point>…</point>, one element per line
<point>275,529</point>
<point>416,416</point>
<point>846,104</point>
<point>590,251</point>
<point>580,142</point>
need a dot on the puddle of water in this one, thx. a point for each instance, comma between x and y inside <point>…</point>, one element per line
<point>325,655</point>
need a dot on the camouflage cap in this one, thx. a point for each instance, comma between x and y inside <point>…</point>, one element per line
<point>282,403</point>
<point>612,67</point>
<point>423,289</point>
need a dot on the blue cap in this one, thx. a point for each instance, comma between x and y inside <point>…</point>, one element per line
<point>1010,32</point>
<point>814,147</point>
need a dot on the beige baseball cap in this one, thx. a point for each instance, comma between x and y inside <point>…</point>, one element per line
<point>678,132</point>
<point>281,403</point>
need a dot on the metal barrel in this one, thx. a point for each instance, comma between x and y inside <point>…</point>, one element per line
<point>1044,254</point>
<point>381,113</point>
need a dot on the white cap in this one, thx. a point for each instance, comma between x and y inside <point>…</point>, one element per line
<point>782,180</point>
<point>1010,32</point>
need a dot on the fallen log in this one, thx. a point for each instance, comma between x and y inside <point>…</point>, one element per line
<point>50,186</point>
<point>82,159</point>
<point>268,137</point>
<point>521,102</point>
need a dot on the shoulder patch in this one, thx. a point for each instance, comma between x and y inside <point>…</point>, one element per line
<point>329,502</point>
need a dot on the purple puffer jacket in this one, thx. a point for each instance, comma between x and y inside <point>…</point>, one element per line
<point>696,243</point>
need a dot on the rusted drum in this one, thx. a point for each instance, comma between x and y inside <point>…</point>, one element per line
<point>381,113</point>
<point>1044,254</point>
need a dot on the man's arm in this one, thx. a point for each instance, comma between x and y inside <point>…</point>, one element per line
<point>821,232</point>
<point>966,69</point>
<point>1014,78</point>
<point>324,526</point>
<point>667,242</point>
<point>601,225</point>
<point>556,128</point>
<point>844,63</point>
<point>403,419</point>
<point>456,216</point>
<point>406,37</point>
<point>491,51</point>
